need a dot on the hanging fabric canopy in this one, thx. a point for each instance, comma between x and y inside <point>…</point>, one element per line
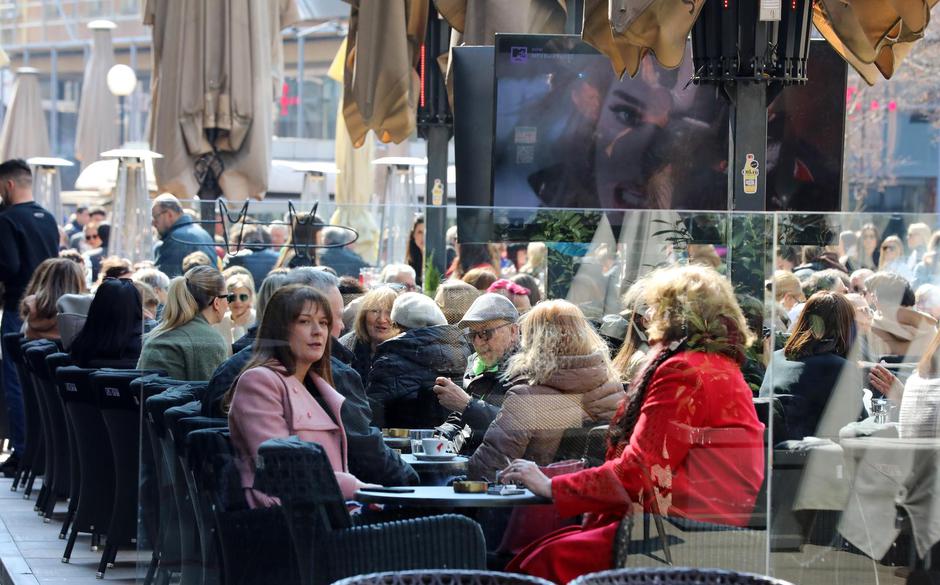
<point>216,76</point>
<point>24,134</point>
<point>874,36</point>
<point>380,84</point>
<point>97,129</point>
<point>355,182</point>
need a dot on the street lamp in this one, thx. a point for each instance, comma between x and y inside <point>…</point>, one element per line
<point>121,82</point>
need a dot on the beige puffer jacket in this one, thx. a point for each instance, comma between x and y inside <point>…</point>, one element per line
<point>534,419</point>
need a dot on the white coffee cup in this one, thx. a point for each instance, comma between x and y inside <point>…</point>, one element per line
<point>435,446</point>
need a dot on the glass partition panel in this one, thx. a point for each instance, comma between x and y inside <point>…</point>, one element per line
<point>850,384</point>
<point>423,394</point>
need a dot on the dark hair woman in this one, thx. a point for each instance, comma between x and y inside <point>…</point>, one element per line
<point>414,257</point>
<point>824,388</point>
<point>288,376</point>
<point>474,255</point>
<point>114,327</point>
<point>691,381</point>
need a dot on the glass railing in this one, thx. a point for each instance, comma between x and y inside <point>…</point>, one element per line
<point>768,425</point>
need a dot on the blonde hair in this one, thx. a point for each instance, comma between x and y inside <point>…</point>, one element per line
<point>536,255</point>
<point>380,299</point>
<point>696,303</point>
<point>890,241</point>
<point>148,297</point>
<point>551,330</point>
<point>188,296</point>
<point>196,259</point>
<point>240,280</point>
<point>787,283</point>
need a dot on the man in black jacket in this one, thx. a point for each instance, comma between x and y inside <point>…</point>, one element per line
<point>490,324</point>
<point>28,235</point>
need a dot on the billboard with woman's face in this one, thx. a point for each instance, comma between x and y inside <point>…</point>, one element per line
<point>568,133</point>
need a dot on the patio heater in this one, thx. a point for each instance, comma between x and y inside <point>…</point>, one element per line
<point>47,183</point>
<point>750,51</point>
<point>399,204</point>
<point>314,188</point>
<point>131,233</point>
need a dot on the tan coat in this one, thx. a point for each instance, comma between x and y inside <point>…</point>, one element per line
<point>533,419</point>
<point>222,60</point>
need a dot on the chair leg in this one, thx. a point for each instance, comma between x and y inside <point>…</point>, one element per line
<point>17,478</point>
<point>67,555</point>
<point>29,485</point>
<point>95,541</point>
<point>48,506</point>
<point>69,516</point>
<point>152,569</point>
<point>41,498</point>
<point>103,564</point>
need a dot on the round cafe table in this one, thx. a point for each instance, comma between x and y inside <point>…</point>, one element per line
<point>445,497</point>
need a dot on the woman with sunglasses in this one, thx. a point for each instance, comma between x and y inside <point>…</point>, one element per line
<point>372,326</point>
<point>241,313</point>
<point>184,344</point>
<point>564,380</point>
<point>892,258</point>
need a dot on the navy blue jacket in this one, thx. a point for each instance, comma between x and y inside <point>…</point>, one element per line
<point>28,235</point>
<point>820,394</point>
<point>344,261</point>
<point>182,239</point>
<point>259,262</point>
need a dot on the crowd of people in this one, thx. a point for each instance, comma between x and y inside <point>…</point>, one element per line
<point>292,343</point>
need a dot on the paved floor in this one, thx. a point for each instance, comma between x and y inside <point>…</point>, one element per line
<point>31,552</point>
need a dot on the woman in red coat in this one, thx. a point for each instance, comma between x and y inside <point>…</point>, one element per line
<point>685,442</point>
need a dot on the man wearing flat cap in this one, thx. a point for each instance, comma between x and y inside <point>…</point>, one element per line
<point>490,326</point>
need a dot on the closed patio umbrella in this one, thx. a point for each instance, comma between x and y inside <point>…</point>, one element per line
<point>97,129</point>
<point>355,182</point>
<point>215,81</point>
<point>24,134</point>
<point>380,85</point>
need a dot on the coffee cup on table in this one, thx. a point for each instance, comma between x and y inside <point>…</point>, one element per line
<point>435,446</point>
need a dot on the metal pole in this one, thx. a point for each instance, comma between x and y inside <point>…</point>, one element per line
<point>121,122</point>
<point>300,87</point>
<point>747,179</point>
<point>54,100</point>
<point>435,199</point>
<point>133,125</point>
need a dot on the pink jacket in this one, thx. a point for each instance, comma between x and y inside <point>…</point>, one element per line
<point>269,404</point>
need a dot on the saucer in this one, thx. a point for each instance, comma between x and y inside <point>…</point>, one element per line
<point>439,457</point>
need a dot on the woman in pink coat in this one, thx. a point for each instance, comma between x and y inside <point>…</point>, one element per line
<point>287,389</point>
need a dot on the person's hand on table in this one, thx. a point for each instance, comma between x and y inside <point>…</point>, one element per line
<point>886,383</point>
<point>450,395</point>
<point>528,474</point>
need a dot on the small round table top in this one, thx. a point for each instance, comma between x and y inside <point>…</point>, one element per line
<point>445,497</point>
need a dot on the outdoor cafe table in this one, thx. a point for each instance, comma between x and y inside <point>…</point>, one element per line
<point>445,497</point>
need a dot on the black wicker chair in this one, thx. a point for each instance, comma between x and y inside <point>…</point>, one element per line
<point>56,480</point>
<point>329,547</point>
<point>442,578</point>
<point>32,460</point>
<point>96,467</point>
<point>159,394</point>
<point>53,363</point>
<point>181,535</point>
<point>121,411</point>
<point>253,544</point>
<point>675,576</point>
